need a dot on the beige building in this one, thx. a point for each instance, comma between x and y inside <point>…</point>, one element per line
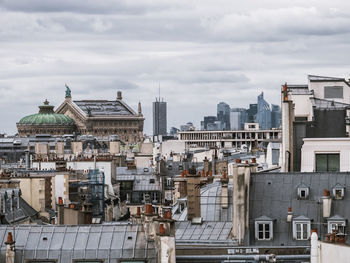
<point>104,117</point>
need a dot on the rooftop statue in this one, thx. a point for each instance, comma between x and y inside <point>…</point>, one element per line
<point>68,92</point>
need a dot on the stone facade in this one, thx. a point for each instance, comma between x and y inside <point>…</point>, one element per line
<point>104,118</point>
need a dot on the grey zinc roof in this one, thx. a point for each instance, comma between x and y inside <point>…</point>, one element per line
<point>103,107</point>
<point>272,193</point>
<point>327,104</point>
<point>207,232</point>
<point>138,171</point>
<point>65,243</point>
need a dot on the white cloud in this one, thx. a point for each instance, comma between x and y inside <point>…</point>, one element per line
<point>201,52</point>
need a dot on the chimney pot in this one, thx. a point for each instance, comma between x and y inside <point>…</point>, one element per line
<point>289,210</point>
<point>326,192</point>
<point>247,162</point>
<point>161,229</point>
<point>238,160</point>
<point>119,95</point>
<point>9,239</point>
<point>149,209</point>
<point>60,201</point>
<point>167,215</point>
<point>138,212</point>
<point>224,176</point>
<point>182,174</point>
<point>253,160</point>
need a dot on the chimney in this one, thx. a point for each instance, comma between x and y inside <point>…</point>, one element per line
<point>10,248</point>
<point>314,258</point>
<point>327,203</point>
<point>147,218</point>
<point>289,215</point>
<point>224,191</point>
<point>206,164</point>
<point>240,211</point>
<point>193,195</point>
<point>287,131</point>
<point>60,211</point>
<point>119,95</point>
<point>165,238</point>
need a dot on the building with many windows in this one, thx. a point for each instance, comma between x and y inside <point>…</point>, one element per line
<point>159,117</point>
<point>315,120</point>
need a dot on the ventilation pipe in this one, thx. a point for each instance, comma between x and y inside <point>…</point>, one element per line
<point>289,215</point>
<point>327,203</point>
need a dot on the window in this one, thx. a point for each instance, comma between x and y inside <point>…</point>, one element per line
<point>333,92</point>
<point>303,191</point>
<point>263,228</point>
<point>337,226</point>
<point>152,181</point>
<point>275,156</point>
<point>338,191</point>
<point>327,162</point>
<point>301,230</point>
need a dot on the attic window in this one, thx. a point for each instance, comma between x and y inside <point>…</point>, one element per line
<point>151,181</point>
<point>303,192</point>
<point>338,192</point>
<point>263,228</point>
<point>301,228</point>
<point>336,223</point>
<point>145,169</point>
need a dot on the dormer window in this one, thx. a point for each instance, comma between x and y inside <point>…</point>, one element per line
<point>336,223</point>
<point>263,228</point>
<point>338,191</point>
<point>301,228</point>
<point>303,192</point>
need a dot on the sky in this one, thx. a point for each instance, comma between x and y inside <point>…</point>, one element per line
<point>199,52</point>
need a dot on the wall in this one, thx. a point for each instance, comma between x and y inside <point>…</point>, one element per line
<point>318,88</point>
<point>325,145</point>
<point>333,252</point>
<point>303,106</point>
<point>33,192</point>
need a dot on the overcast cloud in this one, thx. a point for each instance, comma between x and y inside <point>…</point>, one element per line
<point>200,52</point>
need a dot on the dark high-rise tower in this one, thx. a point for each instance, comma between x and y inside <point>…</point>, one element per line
<point>159,117</point>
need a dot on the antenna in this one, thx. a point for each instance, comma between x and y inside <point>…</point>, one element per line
<point>159,90</point>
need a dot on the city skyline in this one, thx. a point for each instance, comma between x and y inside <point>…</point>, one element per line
<point>200,54</point>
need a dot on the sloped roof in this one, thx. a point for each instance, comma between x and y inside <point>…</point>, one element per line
<point>103,107</point>
<point>323,78</point>
<point>64,243</point>
<point>207,232</point>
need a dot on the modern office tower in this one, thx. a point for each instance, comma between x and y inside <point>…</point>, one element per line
<point>159,117</point>
<point>223,115</point>
<point>276,116</point>
<point>207,120</point>
<point>238,116</point>
<point>263,116</point>
<point>252,111</point>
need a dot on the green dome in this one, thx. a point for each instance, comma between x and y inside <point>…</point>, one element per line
<point>47,119</point>
<point>46,116</point>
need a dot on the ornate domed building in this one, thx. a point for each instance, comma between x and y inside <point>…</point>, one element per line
<point>46,122</point>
